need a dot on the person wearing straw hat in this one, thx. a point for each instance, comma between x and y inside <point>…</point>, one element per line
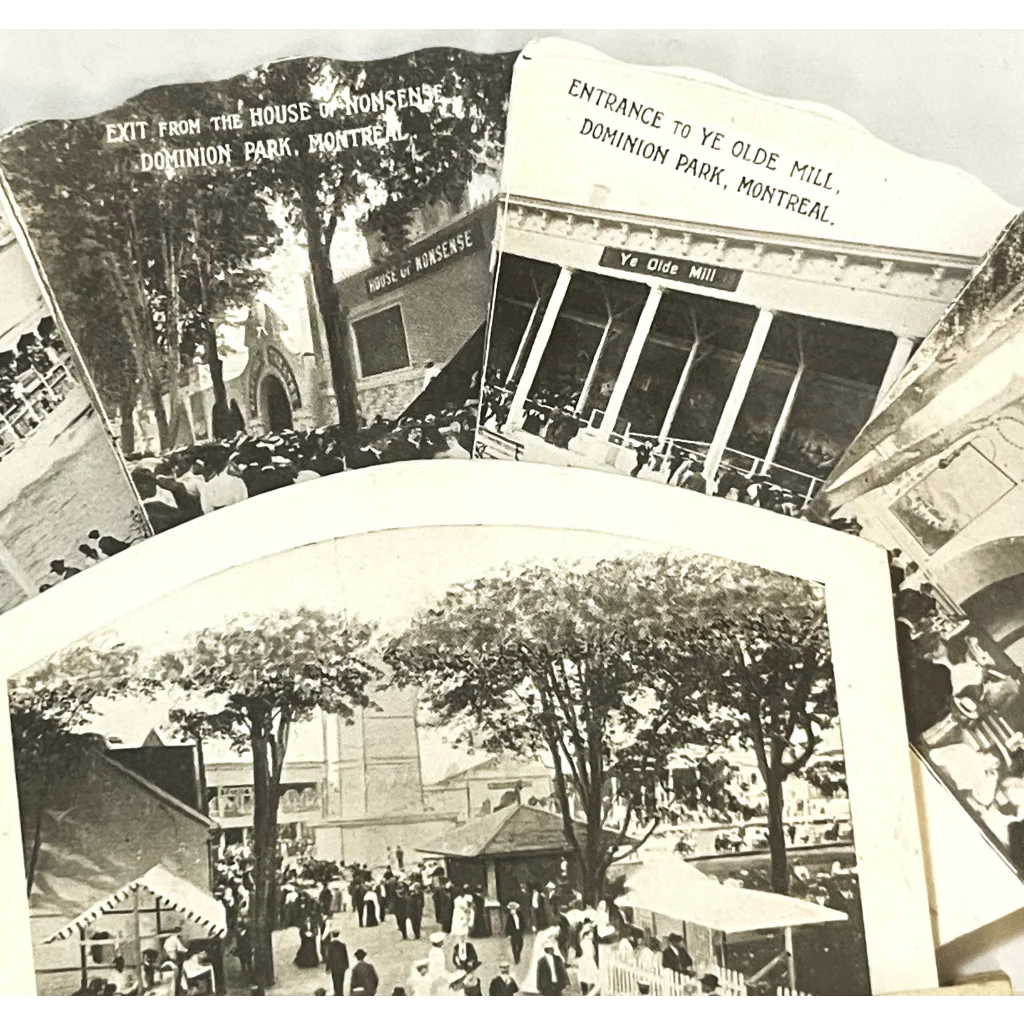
<point>514,927</point>
<point>503,984</point>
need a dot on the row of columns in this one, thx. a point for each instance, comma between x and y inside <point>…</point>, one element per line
<point>737,393</point>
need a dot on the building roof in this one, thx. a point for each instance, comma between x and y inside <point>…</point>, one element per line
<point>514,766</point>
<point>516,829</point>
<point>178,893</point>
<point>680,891</point>
<point>163,795</point>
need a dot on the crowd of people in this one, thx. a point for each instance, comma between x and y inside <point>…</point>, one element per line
<point>186,483</point>
<point>329,904</point>
<point>97,547</point>
<point>963,704</point>
<point>25,397</point>
<point>550,416</point>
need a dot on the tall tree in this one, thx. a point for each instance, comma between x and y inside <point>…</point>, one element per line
<point>547,661</point>
<point>611,670</point>
<point>426,151</point>
<point>143,263</point>
<point>759,643</point>
<point>249,682</point>
<point>50,710</point>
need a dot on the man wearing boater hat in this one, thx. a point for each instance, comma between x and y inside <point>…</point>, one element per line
<point>503,984</point>
<point>514,930</point>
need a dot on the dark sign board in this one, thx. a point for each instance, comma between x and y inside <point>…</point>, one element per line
<point>685,271</point>
<point>437,251</point>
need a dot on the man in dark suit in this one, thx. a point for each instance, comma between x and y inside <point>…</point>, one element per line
<point>675,956</point>
<point>415,908</point>
<point>336,959</point>
<point>400,906</point>
<point>551,974</point>
<point>514,927</point>
<point>503,984</point>
<point>364,976</point>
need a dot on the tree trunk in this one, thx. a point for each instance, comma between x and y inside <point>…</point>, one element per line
<point>594,866</point>
<point>592,876</point>
<point>204,803</point>
<point>343,371</point>
<point>163,427</point>
<point>777,833</point>
<point>221,419</point>
<point>127,410</point>
<point>33,857</point>
<point>264,848</point>
<point>38,803</point>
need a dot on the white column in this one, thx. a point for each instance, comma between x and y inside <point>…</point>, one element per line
<point>738,392</point>
<point>783,422</point>
<point>897,364</point>
<point>523,340</point>
<point>677,395</point>
<point>588,384</point>
<point>540,343</point>
<point>629,363</point>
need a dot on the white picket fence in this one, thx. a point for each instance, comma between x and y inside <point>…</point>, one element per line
<point>782,991</point>
<point>621,975</point>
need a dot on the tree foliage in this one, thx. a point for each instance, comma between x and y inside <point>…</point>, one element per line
<point>433,150</point>
<point>249,682</point>
<point>611,669</point>
<point>759,645</point>
<point>145,263</point>
<point>50,708</point>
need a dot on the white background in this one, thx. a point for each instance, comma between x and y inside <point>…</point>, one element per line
<point>955,96</point>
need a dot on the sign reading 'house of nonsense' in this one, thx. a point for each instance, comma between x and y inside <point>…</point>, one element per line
<point>436,252</point>
<point>685,271</point>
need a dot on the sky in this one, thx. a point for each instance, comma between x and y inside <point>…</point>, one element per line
<point>950,95</point>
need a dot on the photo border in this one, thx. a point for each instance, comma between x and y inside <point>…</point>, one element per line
<point>855,575</point>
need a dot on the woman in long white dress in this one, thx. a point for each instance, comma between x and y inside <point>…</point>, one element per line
<point>586,965</point>
<point>540,940</point>
<point>462,916</point>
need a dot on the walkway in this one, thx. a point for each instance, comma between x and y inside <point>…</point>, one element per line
<point>392,956</point>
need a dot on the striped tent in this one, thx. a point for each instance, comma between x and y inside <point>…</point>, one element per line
<point>177,893</point>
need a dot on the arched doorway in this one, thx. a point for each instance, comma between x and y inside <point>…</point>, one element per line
<point>999,609</point>
<point>987,581</point>
<point>277,410</point>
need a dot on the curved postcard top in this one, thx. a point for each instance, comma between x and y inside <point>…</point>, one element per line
<point>276,277</point>
<point>683,144</point>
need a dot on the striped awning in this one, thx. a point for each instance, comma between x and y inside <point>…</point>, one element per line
<point>174,892</point>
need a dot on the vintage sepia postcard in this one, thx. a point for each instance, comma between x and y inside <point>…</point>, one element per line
<point>465,729</point>
<point>705,287</point>
<point>66,502</point>
<point>936,478</point>
<point>277,277</point>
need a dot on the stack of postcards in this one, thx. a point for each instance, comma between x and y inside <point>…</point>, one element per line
<point>460,715</point>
